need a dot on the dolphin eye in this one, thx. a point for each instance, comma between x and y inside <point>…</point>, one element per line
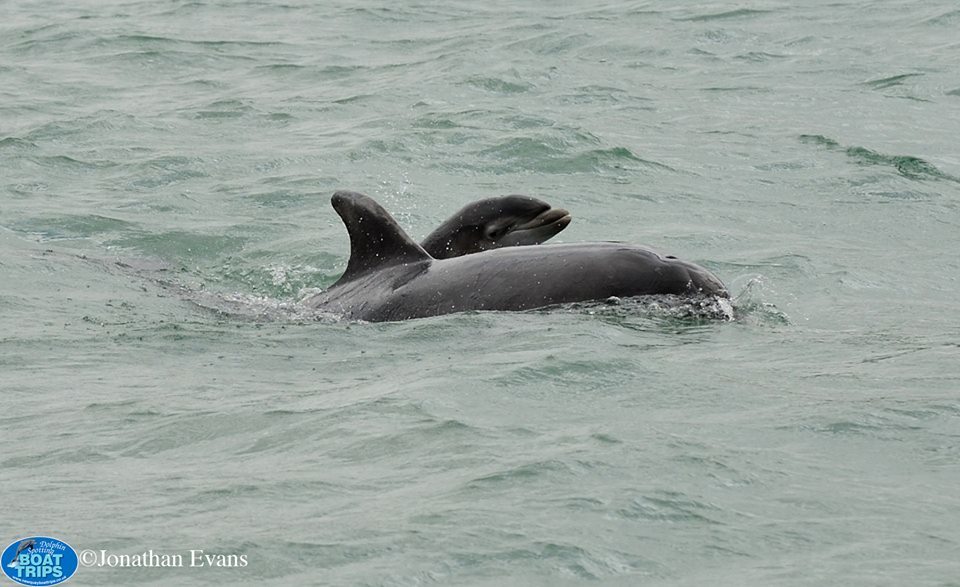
<point>495,233</point>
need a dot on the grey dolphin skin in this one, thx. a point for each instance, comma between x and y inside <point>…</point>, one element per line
<point>493,223</point>
<point>390,277</point>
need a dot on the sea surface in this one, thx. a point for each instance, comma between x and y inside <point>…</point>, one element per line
<point>165,175</point>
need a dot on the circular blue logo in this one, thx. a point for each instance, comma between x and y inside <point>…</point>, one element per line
<point>39,560</point>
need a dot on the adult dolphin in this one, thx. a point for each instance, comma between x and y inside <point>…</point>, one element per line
<point>492,223</point>
<point>390,277</point>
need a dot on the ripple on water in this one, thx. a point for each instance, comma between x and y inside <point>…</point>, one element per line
<point>907,166</point>
<point>741,13</point>
<point>551,154</point>
<point>178,245</point>
<point>538,471</point>
<point>670,506</point>
<point>499,86</point>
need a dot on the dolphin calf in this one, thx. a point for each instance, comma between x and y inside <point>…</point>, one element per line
<point>493,223</point>
<point>391,277</point>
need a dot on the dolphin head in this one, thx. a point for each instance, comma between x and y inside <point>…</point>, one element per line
<point>496,222</point>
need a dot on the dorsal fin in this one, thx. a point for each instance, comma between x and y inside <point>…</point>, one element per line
<point>376,240</point>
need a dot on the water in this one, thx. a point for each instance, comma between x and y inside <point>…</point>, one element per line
<point>806,154</point>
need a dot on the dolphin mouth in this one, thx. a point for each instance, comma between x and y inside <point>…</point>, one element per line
<point>551,219</point>
<point>538,229</point>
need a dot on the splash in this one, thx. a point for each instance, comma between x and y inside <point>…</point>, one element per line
<point>672,307</point>
<point>752,307</point>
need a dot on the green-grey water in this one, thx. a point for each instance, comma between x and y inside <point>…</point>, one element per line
<point>805,153</point>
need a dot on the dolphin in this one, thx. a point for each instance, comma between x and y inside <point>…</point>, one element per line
<point>493,223</point>
<point>24,545</point>
<point>390,277</point>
